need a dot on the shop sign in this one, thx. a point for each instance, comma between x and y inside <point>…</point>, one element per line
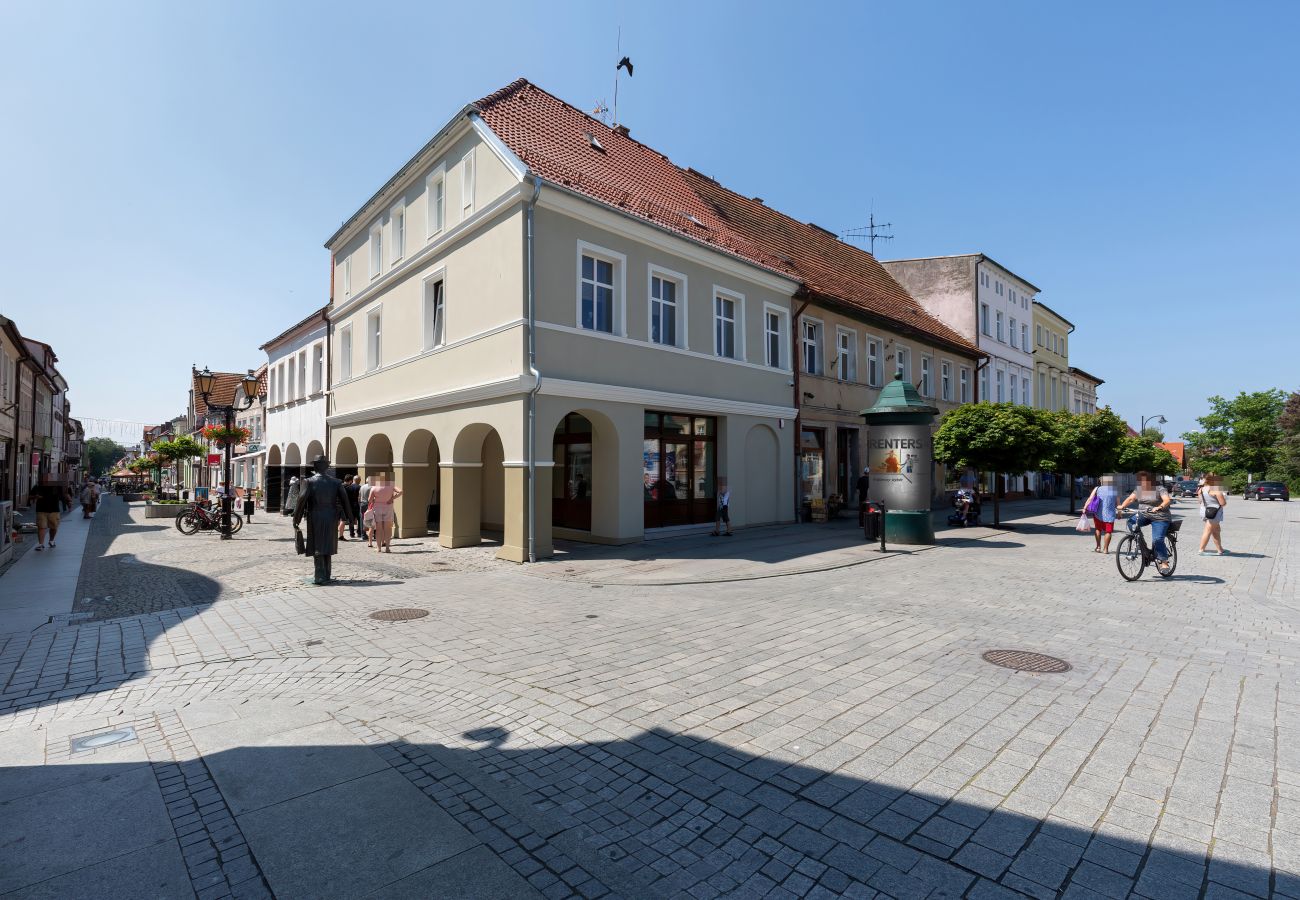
<point>253,447</point>
<point>899,457</point>
<point>214,459</point>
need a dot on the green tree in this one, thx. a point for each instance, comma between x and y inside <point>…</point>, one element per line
<point>996,437</point>
<point>179,450</point>
<point>1086,443</point>
<point>1286,465</point>
<point>1136,454</point>
<point>1153,434</point>
<point>101,453</point>
<point>1238,437</point>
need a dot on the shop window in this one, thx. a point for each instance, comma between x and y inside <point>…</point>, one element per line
<point>678,469</point>
<point>812,464</point>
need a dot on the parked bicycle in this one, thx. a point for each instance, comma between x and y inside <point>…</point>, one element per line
<point>1135,554</point>
<point>196,518</point>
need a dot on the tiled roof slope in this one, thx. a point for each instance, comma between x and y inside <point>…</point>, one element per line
<point>224,386</point>
<point>550,137</point>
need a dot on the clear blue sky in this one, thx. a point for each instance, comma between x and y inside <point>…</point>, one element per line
<point>169,171</point>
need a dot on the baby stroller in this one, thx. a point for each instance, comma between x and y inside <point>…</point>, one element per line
<point>961,498</point>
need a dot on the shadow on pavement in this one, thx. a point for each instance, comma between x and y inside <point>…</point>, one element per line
<point>658,815</point>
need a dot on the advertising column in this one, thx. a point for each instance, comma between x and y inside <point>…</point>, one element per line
<point>900,452</point>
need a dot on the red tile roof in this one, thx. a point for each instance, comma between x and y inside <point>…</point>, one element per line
<point>554,140</point>
<point>224,387</point>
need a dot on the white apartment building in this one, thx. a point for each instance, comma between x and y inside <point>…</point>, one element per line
<point>297,379</point>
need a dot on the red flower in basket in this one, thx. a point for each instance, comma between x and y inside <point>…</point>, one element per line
<point>219,434</point>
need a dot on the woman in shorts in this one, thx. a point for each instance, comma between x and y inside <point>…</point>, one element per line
<point>1213,503</point>
<point>1103,515</point>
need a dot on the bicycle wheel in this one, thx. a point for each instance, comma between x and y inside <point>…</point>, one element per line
<point>236,523</point>
<point>1168,570</point>
<point>187,522</point>
<point>1129,558</point>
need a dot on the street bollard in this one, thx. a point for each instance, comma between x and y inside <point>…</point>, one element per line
<point>873,523</point>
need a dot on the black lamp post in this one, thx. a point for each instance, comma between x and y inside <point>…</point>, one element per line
<point>1156,418</point>
<point>250,386</point>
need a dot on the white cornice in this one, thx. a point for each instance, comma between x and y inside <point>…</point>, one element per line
<point>559,199</point>
<point>477,220</point>
<point>589,390</point>
<point>469,394</point>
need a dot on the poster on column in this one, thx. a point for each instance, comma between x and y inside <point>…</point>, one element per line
<point>899,457</point>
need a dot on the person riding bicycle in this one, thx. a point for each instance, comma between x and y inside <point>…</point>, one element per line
<point>1154,500</point>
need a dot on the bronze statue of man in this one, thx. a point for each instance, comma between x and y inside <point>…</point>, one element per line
<point>324,502</point>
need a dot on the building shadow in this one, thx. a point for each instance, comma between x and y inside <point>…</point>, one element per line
<point>659,815</point>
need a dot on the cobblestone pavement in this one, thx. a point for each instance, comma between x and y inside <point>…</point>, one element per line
<point>823,735</point>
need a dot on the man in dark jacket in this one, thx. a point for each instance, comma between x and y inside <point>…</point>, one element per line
<point>864,485</point>
<point>352,486</point>
<point>322,501</point>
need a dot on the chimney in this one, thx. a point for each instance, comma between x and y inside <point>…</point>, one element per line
<point>623,130</point>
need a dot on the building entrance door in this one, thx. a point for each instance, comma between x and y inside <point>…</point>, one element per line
<point>571,487</point>
<point>844,462</point>
<point>678,467</point>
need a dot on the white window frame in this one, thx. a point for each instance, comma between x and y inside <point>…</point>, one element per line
<point>875,379</point>
<point>376,248</point>
<point>345,352</point>
<point>999,320</point>
<point>679,325</point>
<point>1024,337</point>
<point>1038,335</point>
<point>1012,330</point>
<point>318,367</point>
<point>738,299</point>
<point>851,375</point>
<point>397,230</point>
<point>963,384</point>
<point>903,361</point>
<point>1012,380</point>
<point>782,344</point>
<point>375,341</point>
<point>302,374</point>
<point>291,365</point>
<point>945,380</point>
<point>1024,391</point>
<point>429,337</point>
<point>619,306</point>
<point>927,376</point>
<point>818,344</point>
<point>467,184</point>
<point>435,215</point>
<point>984,319</point>
<point>345,274</point>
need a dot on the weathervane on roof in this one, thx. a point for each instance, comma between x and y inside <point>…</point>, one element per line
<point>870,233</point>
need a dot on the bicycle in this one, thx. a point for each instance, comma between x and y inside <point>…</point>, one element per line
<point>1133,554</point>
<point>196,519</point>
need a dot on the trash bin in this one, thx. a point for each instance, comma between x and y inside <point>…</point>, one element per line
<point>871,521</point>
<point>248,507</point>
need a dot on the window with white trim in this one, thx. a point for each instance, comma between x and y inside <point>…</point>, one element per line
<point>772,342</point>
<point>271,386</point>
<point>964,386</point>
<point>398,219</point>
<point>345,275</point>
<point>874,367</point>
<point>724,327</point>
<point>811,337</point>
<point>904,359</point>
<point>1024,337</point>
<point>984,318</point>
<point>467,184</point>
<point>435,311</point>
<point>597,291</point>
<point>927,384</point>
<point>1038,334</point>
<point>984,385</point>
<point>293,384</point>
<point>374,339</point>
<point>376,249</point>
<point>1012,380</point>
<point>302,374</point>
<point>1001,378</point>
<point>345,352</point>
<point>1042,391</point>
<point>846,356</point>
<point>663,310</point>
<point>1012,331</point>
<point>999,326</point>
<point>318,367</point>
<point>1024,390</point>
<point>435,198</point>
<point>1053,395</point>
<point>945,381</point>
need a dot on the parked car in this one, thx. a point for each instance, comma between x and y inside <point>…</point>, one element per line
<point>1268,490</point>
<point>1184,489</point>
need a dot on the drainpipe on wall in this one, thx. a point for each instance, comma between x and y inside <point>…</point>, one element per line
<point>798,398</point>
<point>537,376</point>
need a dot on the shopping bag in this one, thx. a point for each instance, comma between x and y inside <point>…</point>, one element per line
<point>299,542</point>
<point>1084,525</point>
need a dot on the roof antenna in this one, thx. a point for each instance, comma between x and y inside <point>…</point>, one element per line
<point>870,232</point>
<point>623,63</point>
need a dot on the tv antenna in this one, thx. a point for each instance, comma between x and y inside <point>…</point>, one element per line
<point>870,233</point>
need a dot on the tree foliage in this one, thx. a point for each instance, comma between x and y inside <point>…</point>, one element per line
<point>996,437</point>
<point>1239,437</point>
<point>1286,465</point>
<point>1087,443</point>
<point>101,453</point>
<point>178,450</point>
<point>1153,434</point>
<point>1137,454</point>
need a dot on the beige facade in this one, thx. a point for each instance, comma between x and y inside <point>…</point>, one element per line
<point>430,370</point>
<point>1051,358</point>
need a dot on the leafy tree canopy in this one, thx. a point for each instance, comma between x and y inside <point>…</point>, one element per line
<point>1137,454</point>
<point>996,437</point>
<point>1153,434</point>
<point>1238,436</point>
<point>1087,443</point>
<point>101,453</point>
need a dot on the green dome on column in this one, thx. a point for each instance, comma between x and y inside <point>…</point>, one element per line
<point>900,396</point>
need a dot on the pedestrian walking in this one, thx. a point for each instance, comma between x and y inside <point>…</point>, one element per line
<point>1213,502</point>
<point>864,486</point>
<point>381,506</point>
<point>352,487</point>
<point>724,510</point>
<point>291,498</point>
<point>51,498</point>
<point>1101,505</point>
<point>89,498</point>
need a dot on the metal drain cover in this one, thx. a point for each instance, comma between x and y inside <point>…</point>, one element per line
<point>103,739</point>
<point>1026,661</point>
<point>399,615</point>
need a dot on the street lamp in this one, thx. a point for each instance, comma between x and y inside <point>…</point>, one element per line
<point>1156,418</point>
<point>250,385</point>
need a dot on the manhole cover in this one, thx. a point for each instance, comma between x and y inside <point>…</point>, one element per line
<point>399,615</point>
<point>1026,661</point>
<point>591,616</point>
<point>103,739</point>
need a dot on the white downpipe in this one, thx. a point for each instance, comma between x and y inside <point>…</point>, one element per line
<point>537,379</point>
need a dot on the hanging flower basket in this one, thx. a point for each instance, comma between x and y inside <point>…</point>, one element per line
<point>219,434</point>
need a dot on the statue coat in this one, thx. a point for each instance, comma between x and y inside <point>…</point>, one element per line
<point>324,502</point>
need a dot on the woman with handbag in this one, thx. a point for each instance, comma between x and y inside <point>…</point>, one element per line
<point>1101,505</point>
<point>1213,502</point>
